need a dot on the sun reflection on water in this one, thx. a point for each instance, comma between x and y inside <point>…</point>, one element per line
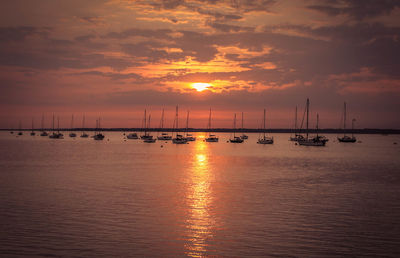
<point>199,196</point>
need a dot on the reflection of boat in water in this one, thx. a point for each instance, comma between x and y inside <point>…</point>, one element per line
<point>189,137</point>
<point>315,141</point>
<point>265,139</point>
<point>243,136</point>
<point>211,137</point>
<point>345,137</point>
<point>164,136</point>
<point>98,136</point>
<point>56,135</point>
<point>72,134</point>
<point>235,139</point>
<point>178,139</point>
<point>297,137</point>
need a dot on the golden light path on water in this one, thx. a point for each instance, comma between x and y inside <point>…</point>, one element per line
<point>199,196</point>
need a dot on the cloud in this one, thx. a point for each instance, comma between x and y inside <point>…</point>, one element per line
<point>356,9</point>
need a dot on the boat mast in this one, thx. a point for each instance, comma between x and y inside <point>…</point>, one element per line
<point>145,121</point>
<point>42,123</point>
<point>307,107</point>
<point>187,122</point>
<point>295,122</point>
<point>176,118</point>
<point>234,125</point>
<point>344,119</point>
<point>53,122</point>
<point>264,125</point>
<point>209,123</point>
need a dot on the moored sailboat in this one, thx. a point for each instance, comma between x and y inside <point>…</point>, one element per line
<point>297,137</point>
<point>265,139</point>
<point>98,136</point>
<point>211,137</point>
<point>189,137</point>
<point>315,141</point>
<point>235,139</point>
<point>146,134</point>
<point>345,137</point>
<point>58,134</point>
<point>149,138</point>
<point>178,139</point>
<point>84,134</point>
<point>164,136</point>
<point>43,133</point>
<point>243,136</point>
<point>32,132</point>
<point>72,134</point>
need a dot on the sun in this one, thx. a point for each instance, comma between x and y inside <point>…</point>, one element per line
<point>200,86</point>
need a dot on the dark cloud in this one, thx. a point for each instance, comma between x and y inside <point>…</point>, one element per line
<point>357,9</point>
<point>21,33</point>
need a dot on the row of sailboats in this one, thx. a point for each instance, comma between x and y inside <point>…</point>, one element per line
<point>319,140</point>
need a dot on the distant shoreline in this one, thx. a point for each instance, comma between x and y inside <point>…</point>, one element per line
<point>227,130</point>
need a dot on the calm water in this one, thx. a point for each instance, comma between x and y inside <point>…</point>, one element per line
<point>114,198</point>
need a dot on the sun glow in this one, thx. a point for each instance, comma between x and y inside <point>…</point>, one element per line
<point>200,86</point>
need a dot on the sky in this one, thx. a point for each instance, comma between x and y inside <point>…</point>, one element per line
<point>114,58</point>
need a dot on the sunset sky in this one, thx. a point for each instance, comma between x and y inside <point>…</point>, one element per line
<point>113,58</point>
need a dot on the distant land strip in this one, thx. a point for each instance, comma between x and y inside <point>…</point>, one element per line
<point>224,130</point>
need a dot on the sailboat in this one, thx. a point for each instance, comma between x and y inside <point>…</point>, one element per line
<point>178,139</point>
<point>297,136</point>
<point>211,137</point>
<point>146,135</point>
<point>43,133</point>
<point>164,136</point>
<point>56,135</point>
<point>150,138</point>
<point>317,140</point>
<point>345,137</point>
<point>20,130</point>
<point>243,136</point>
<point>236,139</point>
<point>84,134</point>
<point>265,139</point>
<point>72,134</point>
<point>189,137</point>
<point>32,132</point>
<point>97,134</point>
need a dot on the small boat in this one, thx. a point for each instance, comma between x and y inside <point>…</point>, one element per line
<point>164,136</point>
<point>32,132</point>
<point>98,136</point>
<point>20,128</point>
<point>146,135</point>
<point>178,139</point>
<point>243,136</point>
<point>265,139</point>
<point>297,137</point>
<point>56,135</point>
<point>189,137</point>
<point>132,136</point>
<point>148,138</point>
<point>345,137</point>
<point>84,134</point>
<point>315,141</point>
<point>235,139</point>
<point>211,137</point>
<point>43,132</point>
<point>72,134</point>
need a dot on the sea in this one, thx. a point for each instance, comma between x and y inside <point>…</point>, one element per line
<point>77,197</point>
